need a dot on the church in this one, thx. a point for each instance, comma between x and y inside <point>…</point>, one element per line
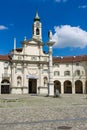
<point>30,70</point>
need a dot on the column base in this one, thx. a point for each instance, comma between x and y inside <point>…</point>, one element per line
<point>51,89</point>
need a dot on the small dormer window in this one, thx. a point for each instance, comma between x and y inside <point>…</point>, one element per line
<point>37,31</point>
<point>77,64</point>
<point>5,64</point>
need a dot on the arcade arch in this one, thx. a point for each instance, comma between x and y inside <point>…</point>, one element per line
<point>78,87</point>
<point>57,85</point>
<point>67,87</point>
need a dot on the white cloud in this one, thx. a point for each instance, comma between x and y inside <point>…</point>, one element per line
<point>68,36</point>
<point>2,27</point>
<point>83,6</point>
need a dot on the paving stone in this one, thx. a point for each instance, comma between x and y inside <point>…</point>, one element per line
<point>69,112</point>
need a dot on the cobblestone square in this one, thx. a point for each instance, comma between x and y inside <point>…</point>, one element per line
<point>32,112</point>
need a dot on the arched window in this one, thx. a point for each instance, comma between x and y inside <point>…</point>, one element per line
<point>66,73</point>
<point>19,81</point>
<point>37,31</point>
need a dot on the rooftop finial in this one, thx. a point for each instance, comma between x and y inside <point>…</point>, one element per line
<point>37,18</point>
<point>24,38</point>
<point>50,35</point>
<point>14,43</point>
<point>37,14</point>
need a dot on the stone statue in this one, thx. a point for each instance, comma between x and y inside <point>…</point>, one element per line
<point>50,35</point>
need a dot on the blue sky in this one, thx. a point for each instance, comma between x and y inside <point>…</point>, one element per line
<point>66,18</point>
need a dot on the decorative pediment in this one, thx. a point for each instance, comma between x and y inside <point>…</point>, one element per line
<point>33,42</point>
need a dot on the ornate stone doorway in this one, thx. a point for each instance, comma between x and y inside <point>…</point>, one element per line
<point>5,87</point>
<point>32,86</point>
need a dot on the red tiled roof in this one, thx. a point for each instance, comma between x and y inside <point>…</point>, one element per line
<point>56,59</point>
<point>69,59</point>
<point>4,57</point>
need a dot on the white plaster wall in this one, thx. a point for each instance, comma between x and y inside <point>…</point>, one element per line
<point>1,70</point>
<point>32,50</point>
<point>62,67</point>
<point>44,91</point>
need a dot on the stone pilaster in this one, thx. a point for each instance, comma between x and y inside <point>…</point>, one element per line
<point>84,87</point>
<point>13,75</point>
<point>0,89</point>
<point>40,73</point>
<point>73,88</point>
<point>62,88</point>
<point>25,82</point>
<point>13,81</point>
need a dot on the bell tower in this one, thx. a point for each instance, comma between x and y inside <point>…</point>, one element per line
<point>37,28</point>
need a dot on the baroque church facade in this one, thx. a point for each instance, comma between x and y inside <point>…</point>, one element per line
<point>29,70</point>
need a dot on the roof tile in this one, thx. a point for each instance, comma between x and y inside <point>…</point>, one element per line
<point>69,59</point>
<point>4,57</point>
